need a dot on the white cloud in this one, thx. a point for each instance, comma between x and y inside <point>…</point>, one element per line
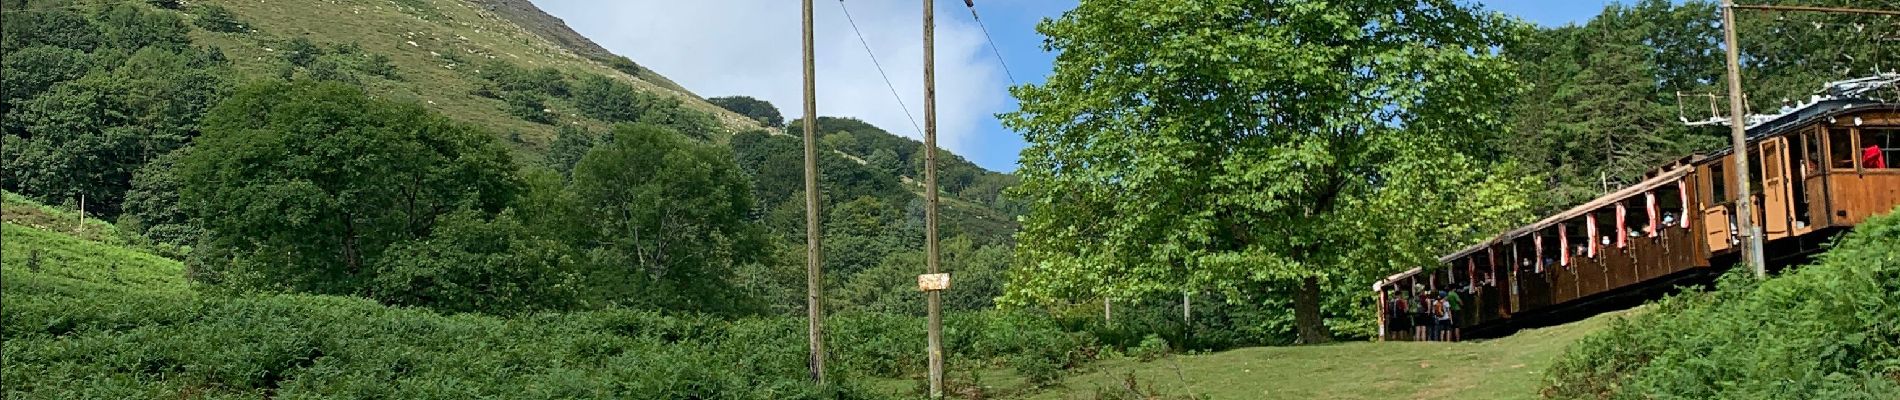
<point>752,47</point>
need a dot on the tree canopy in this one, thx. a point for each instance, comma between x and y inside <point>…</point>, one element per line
<point>305,185</point>
<point>1258,144</point>
<point>759,110</point>
<point>668,217</point>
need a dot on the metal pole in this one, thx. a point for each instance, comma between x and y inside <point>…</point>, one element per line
<point>814,258</point>
<point>1738,132</point>
<point>935,297</point>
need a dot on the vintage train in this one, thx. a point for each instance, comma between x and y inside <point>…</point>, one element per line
<point>1816,170</point>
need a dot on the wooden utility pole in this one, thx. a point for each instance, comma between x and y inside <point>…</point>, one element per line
<point>935,297</point>
<point>814,283</point>
<point>1738,136</point>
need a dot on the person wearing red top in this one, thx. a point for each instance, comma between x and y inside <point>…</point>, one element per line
<point>1871,158</point>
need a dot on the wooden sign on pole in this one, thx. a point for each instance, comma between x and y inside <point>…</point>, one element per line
<point>933,282</point>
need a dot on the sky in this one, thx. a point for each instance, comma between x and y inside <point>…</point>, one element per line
<point>751,47</point>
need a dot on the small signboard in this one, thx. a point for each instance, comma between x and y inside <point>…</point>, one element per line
<point>933,282</point>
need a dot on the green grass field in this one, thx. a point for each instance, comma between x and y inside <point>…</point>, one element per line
<point>1507,368</point>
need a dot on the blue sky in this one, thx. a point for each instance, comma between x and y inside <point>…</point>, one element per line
<point>750,48</point>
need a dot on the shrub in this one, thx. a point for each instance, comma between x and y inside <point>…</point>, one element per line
<point>216,18</point>
<point>302,52</point>
<point>528,106</point>
<point>1151,348</point>
<point>1825,330</point>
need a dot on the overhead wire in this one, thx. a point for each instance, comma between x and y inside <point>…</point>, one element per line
<point>986,35</point>
<point>880,67</point>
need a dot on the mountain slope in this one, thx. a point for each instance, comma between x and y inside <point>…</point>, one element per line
<point>438,49</point>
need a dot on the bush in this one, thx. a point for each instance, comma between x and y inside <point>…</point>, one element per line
<point>77,329</point>
<point>1151,348</point>
<point>118,345</point>
<point>216,18</point>
<point>1825,330</point>
<point>528,106</point>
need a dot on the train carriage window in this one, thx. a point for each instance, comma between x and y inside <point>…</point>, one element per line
<point>1755,175</point>
<point>1669,205</point>
<point>1811,155</point>
<point>1718,183</point>
<point>1635,218</point>
<point>1879,148</point>
<point>1840,141</point>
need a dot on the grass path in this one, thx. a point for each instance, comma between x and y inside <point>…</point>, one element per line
<point>1507,368</point>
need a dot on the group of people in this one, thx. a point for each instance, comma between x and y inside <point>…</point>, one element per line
<point>1423,315</point>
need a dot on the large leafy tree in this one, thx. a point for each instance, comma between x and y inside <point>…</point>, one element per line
<point>669,219</point>
<point>304,186</point>
<point>1250,145</point>
<point>85,137</point>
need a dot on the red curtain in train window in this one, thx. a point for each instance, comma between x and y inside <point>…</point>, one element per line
<point>1563,244</point>
<point>1492,253</point>
<point>1471,271</point>
<point>1590,235</point>
<point>1538,264</point>
<point>1683,188</point>
<point>1649,199</point>
<point>1622,226</point>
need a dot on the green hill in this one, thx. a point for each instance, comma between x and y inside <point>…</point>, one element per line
<point>146,72</point>
<point>439,49</point>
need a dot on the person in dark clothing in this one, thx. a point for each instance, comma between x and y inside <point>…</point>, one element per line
<point>1398,320</point>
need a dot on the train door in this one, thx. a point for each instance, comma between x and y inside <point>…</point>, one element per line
<point>1714,202</point>
<point>1811,181</point>
<point>1775,200</point>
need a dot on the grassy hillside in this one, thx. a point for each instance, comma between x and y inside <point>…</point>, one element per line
<point>438,48</point>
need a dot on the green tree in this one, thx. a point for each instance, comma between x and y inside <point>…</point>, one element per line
<point>216,18</point>
<point>528,106</point>
<point>33,70</point>
<point>885,160</point>
<point>152,201</point>
<point>1251,143</point>
<point>131,27</point>
<point>606,99</point>
<point>59,27</point>
<point>480,264</point>
<point>759,110</point>
<point>85,137</point>
<point>669,219</point>
<point>305,185</point>
<point>302,52</point>
<point>570,144</point>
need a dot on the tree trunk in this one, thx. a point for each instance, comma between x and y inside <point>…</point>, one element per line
<point>1306,315</point>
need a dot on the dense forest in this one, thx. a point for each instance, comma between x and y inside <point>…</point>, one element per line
<point>318,194</point>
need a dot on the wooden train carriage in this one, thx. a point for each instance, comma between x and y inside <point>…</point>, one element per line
<point>1817,170</point>
<point>1825,168</point>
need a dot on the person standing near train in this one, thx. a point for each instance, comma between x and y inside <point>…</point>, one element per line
<point>1453,304</point>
